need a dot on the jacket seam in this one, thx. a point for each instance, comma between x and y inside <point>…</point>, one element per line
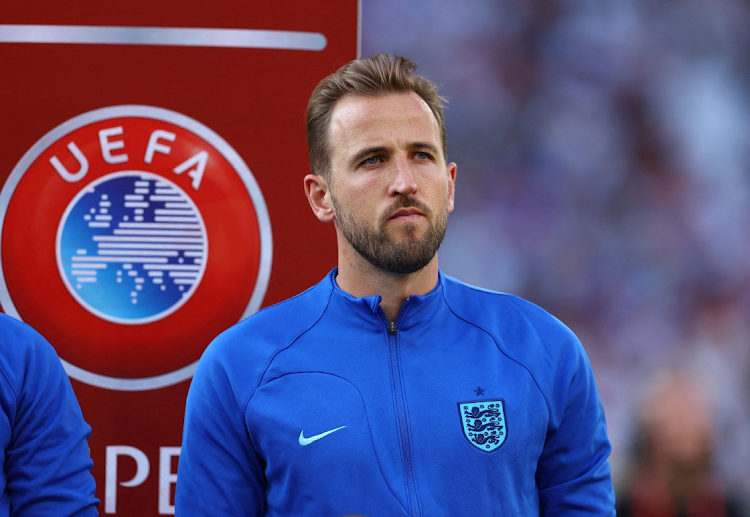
<point>285,347</point>
<point>503,351</point>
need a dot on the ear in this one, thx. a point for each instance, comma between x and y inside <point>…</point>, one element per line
<point>316,190</point>
<point>451,185</point>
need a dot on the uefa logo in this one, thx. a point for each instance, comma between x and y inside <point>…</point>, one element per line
<point>131,247</point>
<point>130,236</point>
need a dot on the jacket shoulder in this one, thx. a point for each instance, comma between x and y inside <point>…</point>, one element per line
<point>23,349</point>
<point>522,330</point>
<point>276,325</point>
<point>501,313</point>
<point>245,350</point>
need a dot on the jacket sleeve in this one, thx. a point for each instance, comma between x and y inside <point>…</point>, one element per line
<point>47,461</point>
<point>219,472</point>
<point>573,474</point>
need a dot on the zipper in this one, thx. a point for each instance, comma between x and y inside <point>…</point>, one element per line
<point>411,484</point>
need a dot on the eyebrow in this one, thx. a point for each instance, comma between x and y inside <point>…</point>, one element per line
<point>424,145</point>
<point>371,151</point>
<point>361,155</point>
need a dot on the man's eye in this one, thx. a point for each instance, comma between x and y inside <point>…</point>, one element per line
<point>422,156</point>
<point>372,160</point>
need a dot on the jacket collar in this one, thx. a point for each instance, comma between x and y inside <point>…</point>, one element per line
<point>372,303</point>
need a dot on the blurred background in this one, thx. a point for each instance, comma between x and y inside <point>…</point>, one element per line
<point>603,152</point>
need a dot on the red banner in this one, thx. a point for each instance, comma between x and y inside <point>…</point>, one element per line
<point>152,196</point>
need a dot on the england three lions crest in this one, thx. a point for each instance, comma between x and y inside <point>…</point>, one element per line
<point>484,424</point>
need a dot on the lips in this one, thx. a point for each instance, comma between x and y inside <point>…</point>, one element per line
<point>405,212</point>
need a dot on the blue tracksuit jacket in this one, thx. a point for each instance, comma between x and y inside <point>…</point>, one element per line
<point>471,403</point>
<point>46,467</point>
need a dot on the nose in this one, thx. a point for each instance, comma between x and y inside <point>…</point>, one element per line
<point>402,182</point>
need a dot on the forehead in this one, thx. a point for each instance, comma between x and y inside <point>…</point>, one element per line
<point>391,120</point>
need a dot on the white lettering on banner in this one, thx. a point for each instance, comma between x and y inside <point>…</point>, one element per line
<point>195,165</point>
<point>167,475</point>
<point>108,146</point>
<point>154,145</point>
<point>167,478</point>
<point>110,476</point>
<point>199,160</point>
<point>82,161</point>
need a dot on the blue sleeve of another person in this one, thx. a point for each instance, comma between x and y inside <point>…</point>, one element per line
<point>46,464</point>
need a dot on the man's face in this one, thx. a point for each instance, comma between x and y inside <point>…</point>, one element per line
<point>390,187</point>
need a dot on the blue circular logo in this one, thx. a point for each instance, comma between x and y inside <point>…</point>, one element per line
<point>132,247</point>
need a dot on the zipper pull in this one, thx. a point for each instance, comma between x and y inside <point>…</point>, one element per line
<point>392,328</point>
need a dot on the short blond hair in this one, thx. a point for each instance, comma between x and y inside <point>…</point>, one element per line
<point>381,75</point>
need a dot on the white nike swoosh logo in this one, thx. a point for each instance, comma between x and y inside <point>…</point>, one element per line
<point>307,441</point>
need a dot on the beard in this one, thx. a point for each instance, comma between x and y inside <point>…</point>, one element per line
<point>382,250</point>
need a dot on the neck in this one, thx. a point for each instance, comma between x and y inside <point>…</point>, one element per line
<point>359,278</point>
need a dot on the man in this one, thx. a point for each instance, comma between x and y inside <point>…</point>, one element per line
<point>389,388</point>
<point>673,455</point>
<point>46,462</point>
